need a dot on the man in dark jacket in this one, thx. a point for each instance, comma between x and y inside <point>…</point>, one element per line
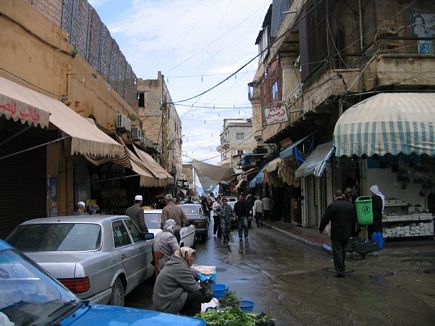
<point>342,215</point>
<point>241,210</point>
<point>135,212</point>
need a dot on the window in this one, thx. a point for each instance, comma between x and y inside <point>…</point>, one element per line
<point>240,136</point>
<point>141,99</point>
<point>56,237</point>
<point>135,234</point>
<point>275,91</point>
<point>120,234</point>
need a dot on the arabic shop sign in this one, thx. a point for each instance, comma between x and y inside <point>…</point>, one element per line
<point>17,110</point>
<point>275,114</point>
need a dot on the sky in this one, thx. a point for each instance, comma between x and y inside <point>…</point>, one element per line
<point>195,44</point>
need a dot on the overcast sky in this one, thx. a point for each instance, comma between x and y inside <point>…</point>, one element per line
<point>195,44</point>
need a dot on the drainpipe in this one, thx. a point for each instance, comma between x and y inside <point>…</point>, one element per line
<point>361,36</point>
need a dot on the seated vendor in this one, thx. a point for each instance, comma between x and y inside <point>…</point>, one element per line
<point>176,290</point>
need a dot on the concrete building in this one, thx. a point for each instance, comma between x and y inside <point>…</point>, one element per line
<point>236,140</point>
<point>67,98</point>
<point>318,59</point>
<point>160,122</point>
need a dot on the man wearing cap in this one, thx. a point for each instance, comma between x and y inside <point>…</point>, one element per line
<point>175,212</point>
<point>136,213</point>
<point>80,208</point>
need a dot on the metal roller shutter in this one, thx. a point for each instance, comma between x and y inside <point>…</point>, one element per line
<point>22,186</point>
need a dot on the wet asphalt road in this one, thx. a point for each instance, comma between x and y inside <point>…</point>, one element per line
<point>295,282</point>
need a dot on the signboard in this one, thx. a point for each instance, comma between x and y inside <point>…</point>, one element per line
<point>275,114</point>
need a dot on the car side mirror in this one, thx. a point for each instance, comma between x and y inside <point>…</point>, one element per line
<point>148,236</point>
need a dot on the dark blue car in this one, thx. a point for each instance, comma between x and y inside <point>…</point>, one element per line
<point>29,296</point>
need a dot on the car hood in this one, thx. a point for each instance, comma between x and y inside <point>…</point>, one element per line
<point>113,315</point>
<point>60,264</point>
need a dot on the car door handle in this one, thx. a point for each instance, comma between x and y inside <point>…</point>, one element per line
<point>123,256</point>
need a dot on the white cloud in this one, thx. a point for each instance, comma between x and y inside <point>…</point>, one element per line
<point>187,38</point>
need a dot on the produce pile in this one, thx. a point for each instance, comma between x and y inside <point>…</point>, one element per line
<point>230,314</point>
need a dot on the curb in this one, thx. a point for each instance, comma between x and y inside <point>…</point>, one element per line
<point>324,247</point>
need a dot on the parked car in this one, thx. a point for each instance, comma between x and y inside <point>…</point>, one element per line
<point>152,220</point>
<point>30,296</point>
<point>100,258</point>
<point>195,216</point>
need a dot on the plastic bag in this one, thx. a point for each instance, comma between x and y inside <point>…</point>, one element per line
<point>204,273</point>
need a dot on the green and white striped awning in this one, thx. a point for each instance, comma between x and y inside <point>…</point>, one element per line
<point>388,123</point>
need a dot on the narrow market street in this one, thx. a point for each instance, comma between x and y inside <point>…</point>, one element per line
<point>295,282</point>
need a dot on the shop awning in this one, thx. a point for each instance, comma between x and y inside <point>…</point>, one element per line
<point>86,138</point>
<point>388,123</point>
<point>146,177</point>
<point>293,151</point>
<point>155,168</point>
<point>20,103</point>
<point>272,165</point>
<point>258,179</point>
<point>316,162</point>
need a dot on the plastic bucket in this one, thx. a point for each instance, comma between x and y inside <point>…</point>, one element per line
<point>219,290</point>
<point>247,305</point>
<point>364,210</point>
<point>378,237</point>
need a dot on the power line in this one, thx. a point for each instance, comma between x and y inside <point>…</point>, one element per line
<point>247,63</point>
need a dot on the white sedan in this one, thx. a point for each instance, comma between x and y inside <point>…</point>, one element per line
<point>152,221</point>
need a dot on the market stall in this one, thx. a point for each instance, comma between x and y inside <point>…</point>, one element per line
<point>393,135</point>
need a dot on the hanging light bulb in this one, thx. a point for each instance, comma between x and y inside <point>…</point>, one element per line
<point>202,79</point>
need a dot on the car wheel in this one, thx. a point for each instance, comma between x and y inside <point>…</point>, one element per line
<point>117,296</point>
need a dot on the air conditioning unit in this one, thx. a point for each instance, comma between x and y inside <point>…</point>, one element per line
<point>122,122</point>
<point>137,134</point>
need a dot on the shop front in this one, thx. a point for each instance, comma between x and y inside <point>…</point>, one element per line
<point>393,136</point>
<point>39,138</point>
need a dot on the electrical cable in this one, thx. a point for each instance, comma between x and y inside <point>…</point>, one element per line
<point>246,64</point>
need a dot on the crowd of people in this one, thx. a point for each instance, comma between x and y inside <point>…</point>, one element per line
<point>177,290</point>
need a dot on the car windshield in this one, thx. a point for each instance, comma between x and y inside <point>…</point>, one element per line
<point>190,210</point>
<point>56,237</point>
<point>28,296</point>
<point>152,220</point>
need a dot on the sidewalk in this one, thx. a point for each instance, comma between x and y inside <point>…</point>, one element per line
<point>311,236</point>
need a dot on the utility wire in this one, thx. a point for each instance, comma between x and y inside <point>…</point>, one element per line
<point>247,63</point>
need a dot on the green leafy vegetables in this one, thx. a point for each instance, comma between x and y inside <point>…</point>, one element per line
<point>235,317</point>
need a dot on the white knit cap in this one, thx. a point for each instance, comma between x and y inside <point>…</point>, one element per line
<point>81,204</point>
<point>138,197</point>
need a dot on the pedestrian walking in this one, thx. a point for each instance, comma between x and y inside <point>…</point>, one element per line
<point>175,212</point>
<point>258,205</point>
<point>241,210</point>
<point>80,210</point>
<point>217,230</point>
<point>378,204</point>
<point>205,207</point>
<point>342,217</point>
<point>225,213</point>
<point>165,245</point>
<point>136,214</point>
<point>250,203</point>
<point>266,207</point>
